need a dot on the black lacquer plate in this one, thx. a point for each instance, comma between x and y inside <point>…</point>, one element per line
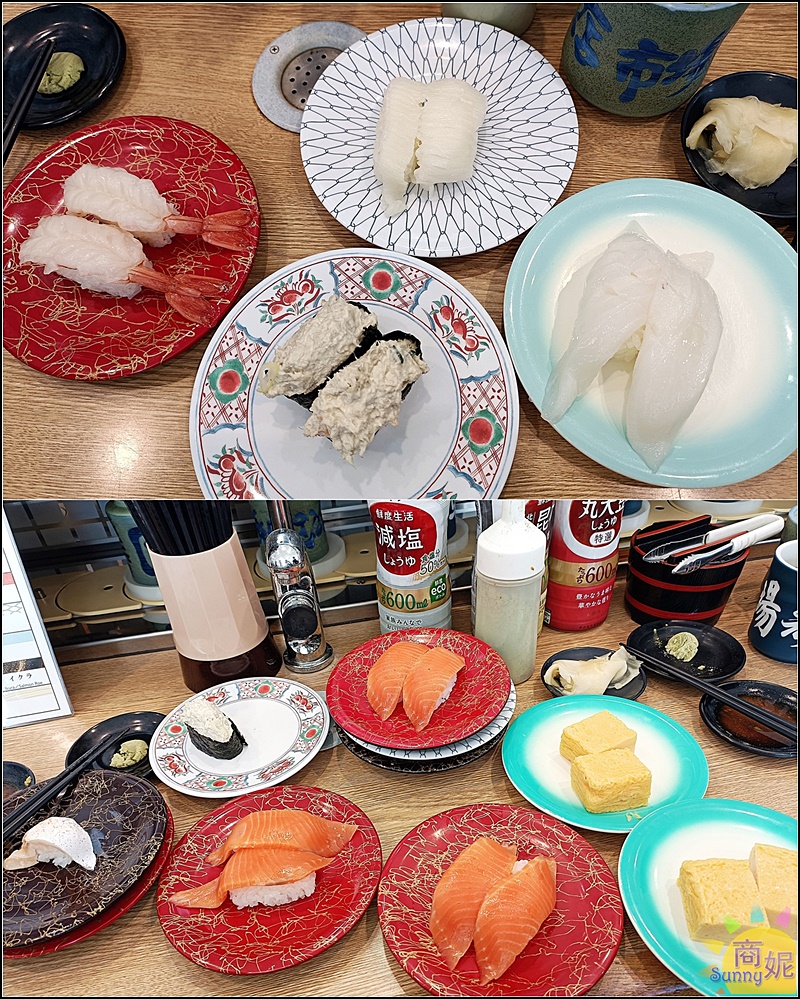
<point>78,28</point>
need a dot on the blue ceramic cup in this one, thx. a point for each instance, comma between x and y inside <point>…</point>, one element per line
<point>773,630</point>
<point>132,541</point>
<point>644,59</point>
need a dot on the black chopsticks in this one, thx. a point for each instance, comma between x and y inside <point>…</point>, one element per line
<point>761,715</point>
<point>16,116</point>
<point>182,527</point>
<point>45,794</point>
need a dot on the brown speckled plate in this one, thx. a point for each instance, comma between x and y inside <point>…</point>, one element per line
<point>126,818</point>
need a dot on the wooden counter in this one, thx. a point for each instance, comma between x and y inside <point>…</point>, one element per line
<point>132,957</point>
<point>195,61</point>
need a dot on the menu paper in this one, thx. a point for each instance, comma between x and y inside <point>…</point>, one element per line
<point>33,689</point>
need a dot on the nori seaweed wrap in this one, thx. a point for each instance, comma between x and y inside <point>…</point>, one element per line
<point>211,730</point>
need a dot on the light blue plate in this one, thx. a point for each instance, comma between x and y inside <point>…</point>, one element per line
<point>755,277</point>
<point>540,773</point>
<point>650,862</point>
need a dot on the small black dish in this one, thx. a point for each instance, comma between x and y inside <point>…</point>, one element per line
<point>78,28</point>
<point>134,725</point>
<point>633,689</point>
<point>738,729</point>
<point>719,655</point>
<point>779,200</point>
<point>16,777</point>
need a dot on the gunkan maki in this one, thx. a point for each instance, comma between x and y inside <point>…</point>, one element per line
<point>338,333</point>
<point>211,730</point>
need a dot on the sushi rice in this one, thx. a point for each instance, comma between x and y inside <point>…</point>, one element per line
<point>274,895</point>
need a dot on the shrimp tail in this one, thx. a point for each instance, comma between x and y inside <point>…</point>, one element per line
<point>225,229</point>
<point>185,292</point>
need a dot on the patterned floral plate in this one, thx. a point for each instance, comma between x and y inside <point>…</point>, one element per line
<point>429,766</point>
<point>453,749</point>
<point>126,818</point>
<point>53,325</point>
<point>481,690</point>
<point>540,773</point>
<point>526,145</point>
<point>258,939</point>
<point>284,724</point>
<point>458,427</point>
<point>577,942</point>
<point>109,915</point>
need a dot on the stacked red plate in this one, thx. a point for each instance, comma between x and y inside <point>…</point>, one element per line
<point>47,908</point>
<point>468,724</point>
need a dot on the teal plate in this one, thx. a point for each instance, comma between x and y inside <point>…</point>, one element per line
<point>649,865</point>
<point>746,420</point>
<point>540,773</point>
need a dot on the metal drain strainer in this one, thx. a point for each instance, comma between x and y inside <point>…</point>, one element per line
<point>289,67</point>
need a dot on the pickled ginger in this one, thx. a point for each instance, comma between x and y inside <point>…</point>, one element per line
<point>427,134</point>
<point>751,141</point>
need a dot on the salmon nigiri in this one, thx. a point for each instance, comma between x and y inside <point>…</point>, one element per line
<point>460,894</point>
<point>285,827</point>
<point>429,684</point>
<point>511,915</point>
<point>253,872</point>
<point>388,673</point>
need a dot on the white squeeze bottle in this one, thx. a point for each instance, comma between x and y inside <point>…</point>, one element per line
<point>507,588</point>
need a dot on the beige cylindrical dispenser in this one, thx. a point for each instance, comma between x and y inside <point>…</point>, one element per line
<point>218,624</point>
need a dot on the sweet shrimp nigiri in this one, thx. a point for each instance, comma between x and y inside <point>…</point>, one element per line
<point>134,204</point>
<point>105,259</point>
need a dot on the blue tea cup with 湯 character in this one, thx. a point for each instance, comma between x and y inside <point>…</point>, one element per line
<point>644,59</point>
<point>773,630</point>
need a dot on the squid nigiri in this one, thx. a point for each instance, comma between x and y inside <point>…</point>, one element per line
<point>675,361</point>
<point>105,259</point>
<point>427,134</point>
<point>642,299</point>
<point>615,304</point>
<point>113,194</point>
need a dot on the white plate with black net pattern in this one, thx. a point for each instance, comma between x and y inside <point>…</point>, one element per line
<point>479,738</point>
<point>527,143</point>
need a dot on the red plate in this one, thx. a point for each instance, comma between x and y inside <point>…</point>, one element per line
<point>577,942</point>
<point>257,939</point>
<point>480,691</point>
<point>53,325</point>
<point>112,913</point>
